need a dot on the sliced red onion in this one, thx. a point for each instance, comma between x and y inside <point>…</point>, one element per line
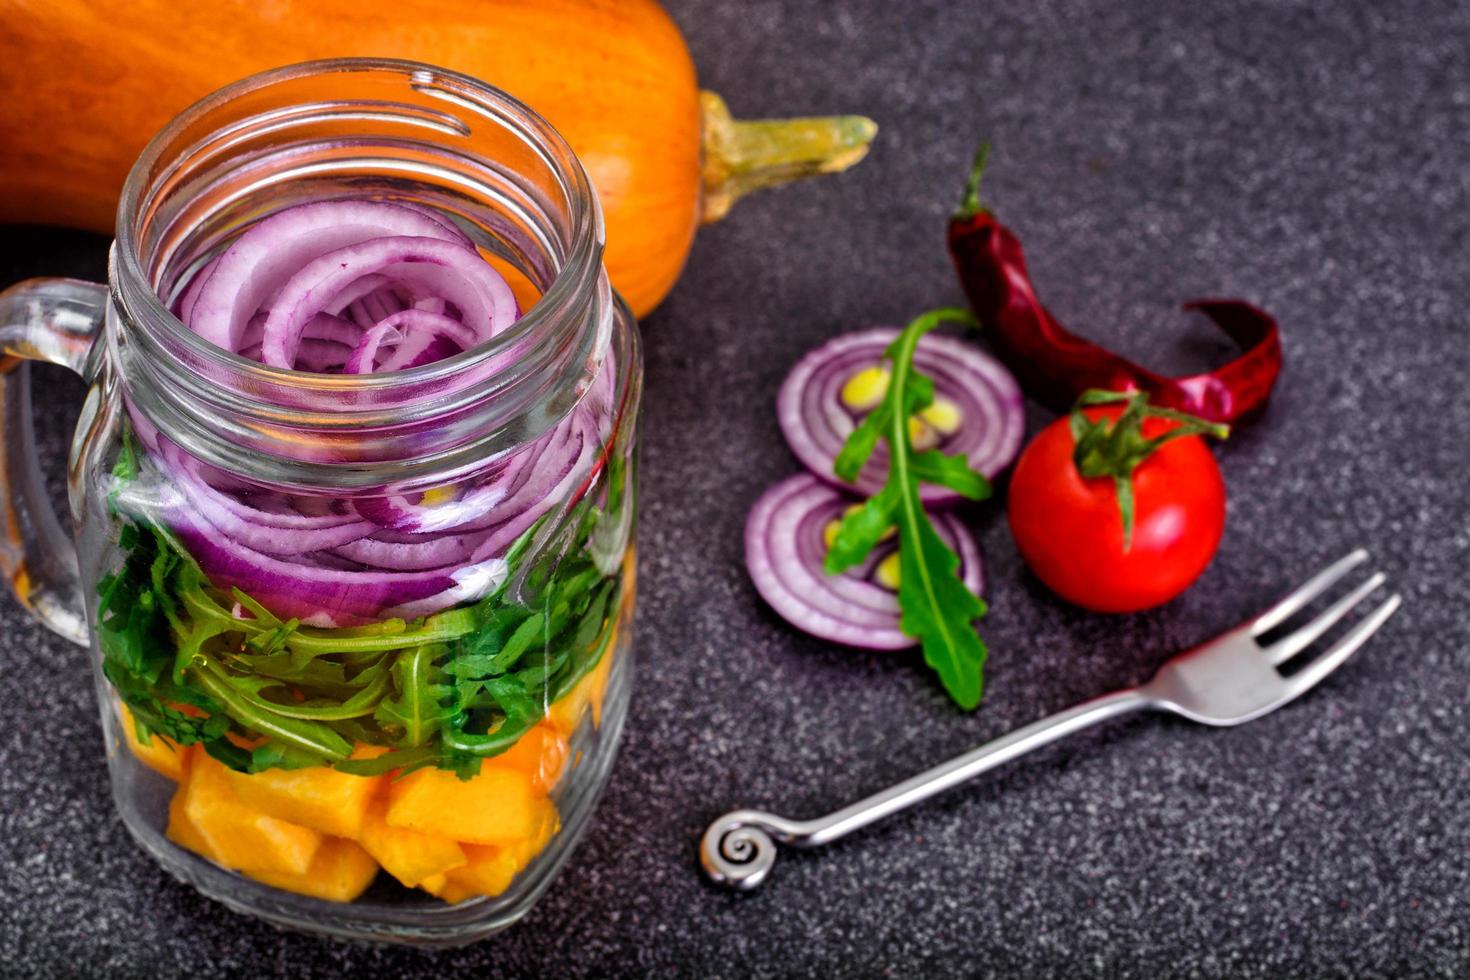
<point>401,514</point>
<point>546,493</point>
<point>425,552</point>
<point>358,286</point>
<point>185,306</point>
<point>452,231</point>
<point>502,493</point>
<point>260,261</point>
<point>420,325</point>
<point>785,549</point>
<point>324,326</point>
<point>417,350</point>
<point>455,274</point>
<point>259,530</point>
<point>816,422</point>
<point>324,596</point>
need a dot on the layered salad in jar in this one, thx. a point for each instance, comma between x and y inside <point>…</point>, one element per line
<point>384,685</point>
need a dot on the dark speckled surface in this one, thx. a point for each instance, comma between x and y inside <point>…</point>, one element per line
<point>1310,157</point>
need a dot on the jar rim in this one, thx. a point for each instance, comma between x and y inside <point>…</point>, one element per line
<point>578,276</point>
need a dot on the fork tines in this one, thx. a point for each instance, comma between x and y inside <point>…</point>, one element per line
<point>1284,648</point>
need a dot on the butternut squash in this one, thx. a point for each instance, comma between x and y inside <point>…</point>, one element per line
<point>234,834</point>
<point>498,806</point>
<point>407,854</point>
<point>158,753</point>
<point>541,753</point>
<point>489,870</point>
<point>323,799</point>
<point>339,872</point>
<point>566,713</point>
<point>86,83</point>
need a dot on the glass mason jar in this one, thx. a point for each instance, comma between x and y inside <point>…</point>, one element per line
<point>361,641</point>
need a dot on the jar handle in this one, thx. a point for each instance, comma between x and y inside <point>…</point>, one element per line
<point>58,321</point>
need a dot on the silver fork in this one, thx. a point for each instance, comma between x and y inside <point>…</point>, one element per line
<point>1229,680</point>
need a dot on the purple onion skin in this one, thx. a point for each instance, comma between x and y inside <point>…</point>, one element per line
<point>816,423</point>
<point>785,564</point>
<point>360,287</point>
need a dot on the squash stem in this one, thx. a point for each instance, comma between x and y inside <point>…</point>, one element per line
<point>745,155</point>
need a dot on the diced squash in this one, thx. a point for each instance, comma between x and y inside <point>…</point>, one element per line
<point>245,742</point>
<point>238,835</point>
<point>318,797</point>
<point>567,711</point>
<point>339,872</point>
<point>186,709</point>
<point>162,755</point>
<point>540,753</point>
<point>407,855</point>
<point>497,806</point>
<point>441,887</point>
<point>491,868</point>
<point>181,829</point>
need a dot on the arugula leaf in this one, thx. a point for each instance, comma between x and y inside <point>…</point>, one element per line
<point>936,607</point>
<point>198,664</point>
<point>863,441</point>
<point>952,471</point>
<point>939,609</point>
<point>860,531</point>
<point>417,708</point>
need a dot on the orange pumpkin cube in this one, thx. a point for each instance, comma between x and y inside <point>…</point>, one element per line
<point>162,755</point>
<point>441,887</point>
<point>318,797</point>
<point>339,872</point>
<point>541,753</point>
<point>566,712</point>
<point>239,835</point>
<point>407,855</point>
<point>181,829</point>
<point>497,806</point>
<point>490,869</point>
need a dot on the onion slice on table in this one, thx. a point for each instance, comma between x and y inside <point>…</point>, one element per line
<point>784,551</point>
<point>979,395</point>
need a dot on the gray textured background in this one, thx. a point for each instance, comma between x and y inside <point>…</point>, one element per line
<point>1308,157</point>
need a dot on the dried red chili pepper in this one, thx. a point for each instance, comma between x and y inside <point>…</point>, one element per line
<point>1055,365</point>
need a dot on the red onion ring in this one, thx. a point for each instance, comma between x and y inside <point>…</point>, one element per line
<point>359,286</point>
<point>319,595</point>
<point>260,261</point>
<point>444,269</point>
<point>784,551</point>
<point>816,422</point>
<point>393,328</point>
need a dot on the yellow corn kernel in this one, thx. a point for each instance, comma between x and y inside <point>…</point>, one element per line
<point>437,495</point>
<point>829,533</point>
<point>864,391</point>
<point>886,574</point>
<point>944,415</point>
<point>922,435</point>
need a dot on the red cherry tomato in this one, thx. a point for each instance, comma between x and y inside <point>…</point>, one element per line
<point>1070,530</point>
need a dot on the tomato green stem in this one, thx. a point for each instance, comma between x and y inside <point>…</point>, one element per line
<point>1115,447</point>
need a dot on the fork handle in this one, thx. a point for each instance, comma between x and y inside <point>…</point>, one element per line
<point>739,848</point>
